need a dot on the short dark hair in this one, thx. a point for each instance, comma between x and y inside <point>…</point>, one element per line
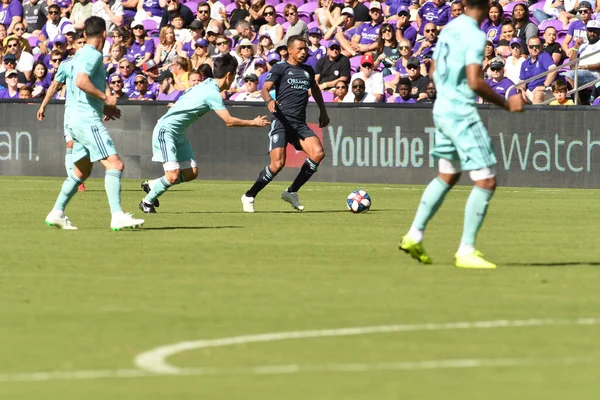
<point>78,35</point>
<point>295,38</point>
<point>54,6</point>
<point>176,14</point>
<point>404,81</point>
<point>205,71</point>
<point>477,3</point>
<point>559,86</point>
<point>94,27</point>
<point>224,64</point>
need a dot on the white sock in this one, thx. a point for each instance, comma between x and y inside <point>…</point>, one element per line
<point>57,213</point>
<point>465,249</point>
<point>118,214</point>
<point>416,234</point>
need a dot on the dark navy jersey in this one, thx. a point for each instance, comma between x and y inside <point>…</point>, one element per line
<point>291,83</point>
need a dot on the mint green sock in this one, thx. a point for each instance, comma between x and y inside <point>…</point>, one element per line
<point>432,199</point>
<point>112,185</point>
<point>69,161</point>
<point>68,190</point>
<point>161,186</point>
<point>475,210</point>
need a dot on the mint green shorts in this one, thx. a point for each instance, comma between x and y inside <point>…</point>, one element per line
<point>466,140</point>
<point>91,141</point>
<point>168,147</point>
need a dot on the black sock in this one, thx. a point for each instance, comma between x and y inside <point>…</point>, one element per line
<point>265,176</point>
<point>308,169</point>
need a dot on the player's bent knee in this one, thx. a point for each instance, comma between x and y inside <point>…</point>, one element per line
<point>484,178</point>
<point>172,176</point>
<point>319,156</point>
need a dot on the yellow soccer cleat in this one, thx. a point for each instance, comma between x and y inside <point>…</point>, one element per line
<point>415,249</point>
<point>473,260</point>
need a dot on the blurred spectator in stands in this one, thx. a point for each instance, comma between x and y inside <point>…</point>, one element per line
<point>297,26</point>
<point>167,88</point>
<point>55,59</point>
<point>25,92</point>
<point>492,26</point>
<point>205,72</point>
<point>240,12</point>
<point>10,62</point>
<point>18,31</point>
<point>260,70</point>
<point>538,90</point>
<point>332,69</point>
<point>457,9</point>
<point>245,32</point>
<point>141,91</point>
<point>11,90</point>
<point>167,48</point>
<point>212,35</point>
<point>180,68</point>
<point>149,9</point>
<point>343,30</point>
<point>223,46</point>
<point>425,48</point>
<point>217,11</point>
<point>11,12</point>
<point>552,47</point>
<point>174,7</point>
<point>435,11</point>
<point>404,29</point>
<point>274,58</point>
<point>406,53</point>
<point>201,55</point>
<point>315,50</point>
<point>341,91</point>
<point>24,60</point>
<point>365,38</point>
<point>59,44</point>
<point>250,89</point>
<point>65,7</point>
<point>82,10</point>
<point>111,11</point>
<point>3,33</point>
<point>555,9</point>
<point>418,82</point>
<point>40,79</point>
<point>577,32</point>
<point>264,47</point>
<point>143,48</point>
<point>282,50</point>
<point>497,81</point>
<point>359,94</point>
<point>126,68</point>
<point>512,68</point>
<point>197,33</point>
<point>203,15</point>
<point>327,13</point>
<point>151,71</point>
<point>361,12</point>
<point>508,33</point>
<point>589,69</point>
<point>120,37</point>
<point>271,28</point>
<point>182,35</point>
<point>559,90</point>
<point>257,18</point>
<point>525,29</point>
<point>372,79</point>
<point>431,94</point>
<point>116,55</point>
<point>35,15</point>
<point>53,27</point>
<point>115,87</point>
<point>386,53</point>
<point>246,51</point>
<point>69,32</point>
<point>403,95</point>
<point>488,56</point>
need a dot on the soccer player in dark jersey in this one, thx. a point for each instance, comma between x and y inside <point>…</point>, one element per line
<point>292,80</point>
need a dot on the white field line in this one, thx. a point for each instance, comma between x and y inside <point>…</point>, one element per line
<point>155,360</point>
<point>297,369</point>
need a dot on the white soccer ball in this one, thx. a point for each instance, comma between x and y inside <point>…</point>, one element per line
<point>359,201</point>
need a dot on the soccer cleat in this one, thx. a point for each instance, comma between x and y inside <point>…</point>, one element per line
<point>125,221</point>
<point>60,222</point>
<point>292,198</point>
<point>473,260</point>
<point>415,249</point>
<point>147,208</point>
<point>248,204</point>
<point>146,188</point>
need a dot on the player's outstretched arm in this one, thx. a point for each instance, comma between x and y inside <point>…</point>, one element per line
<point>83,82</point>
<point>479,86</point>
<point>233,121</point>
<point>54,87</point>
<point>316,94</point>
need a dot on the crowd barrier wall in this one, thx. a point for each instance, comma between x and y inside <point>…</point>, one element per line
<point>542,147</point>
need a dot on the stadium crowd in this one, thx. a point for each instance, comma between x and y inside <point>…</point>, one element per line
<point>361,51</point>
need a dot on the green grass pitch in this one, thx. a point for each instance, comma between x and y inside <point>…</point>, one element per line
<point>89,301</point>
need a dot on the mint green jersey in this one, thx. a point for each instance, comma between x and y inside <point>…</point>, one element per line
<point>88,108</point>
<point>64,75</point>
<point>193,104</point>
<point>460,43</point>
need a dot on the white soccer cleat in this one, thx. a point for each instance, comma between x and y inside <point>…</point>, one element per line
<point>60,222</point>
<point>248,204</point>
<point>125,221</point>
<point>292,198</point>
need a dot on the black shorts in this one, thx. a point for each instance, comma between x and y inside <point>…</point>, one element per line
<point>282,133</point>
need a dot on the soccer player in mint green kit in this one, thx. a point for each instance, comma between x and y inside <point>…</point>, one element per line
<point>91,139</point>
<point>170,145</point>
<point>461,140</point>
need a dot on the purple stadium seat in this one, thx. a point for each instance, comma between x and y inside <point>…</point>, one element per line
<point>272,2</point>
<point>156,40</point>
<point>279,8</point>
<point>229,9</point>
<point>150,25</point>
<point>298,3</point>
<point>327,97</point>
<point>355,63</point>
<point>313,24</point>
<point>389,78</point>
<point>536,6</point>
<point>508,9</point>
<point>235,96</point>
<point>193,5</point>
<point>285,26</point>
<point>32,41</point>
<point>556,24</point>
<point>325,43</point>
<point>307,11</point>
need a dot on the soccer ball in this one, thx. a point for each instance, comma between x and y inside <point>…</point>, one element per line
<point>359,201</point>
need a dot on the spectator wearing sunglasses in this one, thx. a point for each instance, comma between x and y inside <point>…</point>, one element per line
<point>11,90</point>
<point>24,60</point>
<point>251,92</point>
<point>126,69</point>
<point>174,7</point>
<point>271,28</point>
<point>359,93</point>
<point>297,26</point>
<point>245,32</point>
<point>387,52</point>
<point>512,67</point>
<point>404,29</point>
<point>8,63</point>
<point>143,48</point>
<point>577,32</point>
<point>35,15</point>
<point>425,48</point>
<point>340,91</point>
<point>11,12</point>
<point>333,69</point>
<point>365,38</point>
<point>141,91</point>
<point>53,27</point>
<point>167,91</point>
<point>115,87</point>
<point>435,11</point>
<point>538,90</point>
<point>203,15</point>
<point>372,79</point>
<point>497,81</point>
<point>418,81</point>
<point>111,11</point>
<point>18,32</point>
<point>53,61</point>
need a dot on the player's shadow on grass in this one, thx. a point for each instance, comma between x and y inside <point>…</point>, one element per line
<point>555,264</point>
<point>170,228</point>
<point>276,212</point>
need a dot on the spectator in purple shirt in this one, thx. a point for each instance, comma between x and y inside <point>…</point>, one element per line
<point>434,11</point>
<point>365,38</point>
<point>167,89</point>
<point>404,95</point>
<point>538,90</point>
<point>141,91</point>
<point>404,29</point>
<point>150,9</point>
<point>456,9</point>
<point>53,27</point>
<point>11,12</point>
<point>126,71</point>
<point>424,49</point>
<point>150,69</point>
<point>39,80</point>
<point>11,91</point>
<point>577,32</point>
<point>497,81</point>
<point>342,31</point>
<point>142,49</point>
<point>492,26</point>
<point>315,50</point>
